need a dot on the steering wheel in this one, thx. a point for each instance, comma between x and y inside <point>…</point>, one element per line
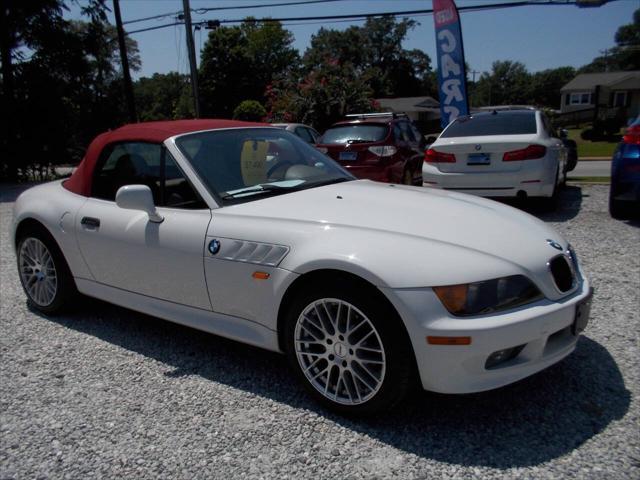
<point>280,165</point>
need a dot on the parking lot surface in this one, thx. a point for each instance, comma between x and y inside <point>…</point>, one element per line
<point>105,392</point>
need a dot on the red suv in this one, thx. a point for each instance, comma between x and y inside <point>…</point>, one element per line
<point>379,146</point>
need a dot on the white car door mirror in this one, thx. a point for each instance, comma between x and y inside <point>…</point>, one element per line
<point>138,197</point>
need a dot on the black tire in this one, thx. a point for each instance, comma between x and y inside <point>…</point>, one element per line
<point>65,290</point>
<point>619,210</point>
<point>550,204</point>
<point>400,370</point>
<point>407,177</point>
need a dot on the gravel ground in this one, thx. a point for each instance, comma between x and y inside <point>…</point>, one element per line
<point>110,393</point>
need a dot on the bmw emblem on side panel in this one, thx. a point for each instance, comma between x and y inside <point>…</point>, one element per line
<point>478,147</point>
<point>554,244</point>
<point>214,246</point>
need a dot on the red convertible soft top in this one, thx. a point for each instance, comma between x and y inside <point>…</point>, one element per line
<point>157,132</point>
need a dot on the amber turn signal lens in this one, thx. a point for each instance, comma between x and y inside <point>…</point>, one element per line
<point>449,340</point>
<point>260,275</point>
<point>454,297</point>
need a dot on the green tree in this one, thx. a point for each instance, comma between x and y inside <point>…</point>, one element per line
<point>375,50</point>
<point>239,62</point>
<point>163,97</point>
<point>323,96</point>
<point>546,85</point>
<point>509,83</point>
<point>625,55</point>
<point>65,78</point>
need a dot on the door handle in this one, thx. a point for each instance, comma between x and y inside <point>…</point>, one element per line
<point>90,222</point>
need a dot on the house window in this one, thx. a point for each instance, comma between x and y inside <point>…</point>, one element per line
<point>580,98</point>
<point>619,99</point>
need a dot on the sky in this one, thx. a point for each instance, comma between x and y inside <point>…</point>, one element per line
<point>541,37</point>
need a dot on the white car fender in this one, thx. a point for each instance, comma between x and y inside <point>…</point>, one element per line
<point>54,207</point>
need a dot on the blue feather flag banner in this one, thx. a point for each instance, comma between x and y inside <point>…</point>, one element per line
<point>452,79</point>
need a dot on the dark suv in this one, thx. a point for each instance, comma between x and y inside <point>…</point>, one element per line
<point>379,146</point>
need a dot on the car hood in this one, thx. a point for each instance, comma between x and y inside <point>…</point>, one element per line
<point>456,219</point>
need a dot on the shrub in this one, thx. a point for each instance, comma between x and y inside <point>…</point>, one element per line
<point>587,134</point>
<point>250,111</point>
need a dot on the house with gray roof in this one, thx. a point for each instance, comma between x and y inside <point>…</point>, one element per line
<point>610,91</point>
<point>423,111</point>
<point>417,108</point>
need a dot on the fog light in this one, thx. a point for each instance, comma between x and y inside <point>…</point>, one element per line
<point>501,356</point>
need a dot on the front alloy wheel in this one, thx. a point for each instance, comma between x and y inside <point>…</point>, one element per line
<point>348,346</point>
<point>340,351</point>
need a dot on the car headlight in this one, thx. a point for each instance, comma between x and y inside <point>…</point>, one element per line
<point>479,298</point>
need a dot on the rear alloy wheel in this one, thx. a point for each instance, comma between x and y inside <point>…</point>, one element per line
<point>348,349</point>
<point>38,272</point>
<point>44,274</point>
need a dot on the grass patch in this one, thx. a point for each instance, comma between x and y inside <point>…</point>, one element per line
<point>587,148</point>
<point>589,180</point>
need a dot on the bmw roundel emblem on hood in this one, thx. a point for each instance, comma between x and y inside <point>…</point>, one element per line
<point>478,147</point>
<point>214,246</point>
<point>554,244</point>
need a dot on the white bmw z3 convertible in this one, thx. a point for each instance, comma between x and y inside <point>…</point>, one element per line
<point>245,231</point>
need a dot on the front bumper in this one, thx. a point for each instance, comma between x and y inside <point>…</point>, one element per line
<point>544,329</point>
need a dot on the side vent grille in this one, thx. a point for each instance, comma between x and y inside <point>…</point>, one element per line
<point>252,252</point>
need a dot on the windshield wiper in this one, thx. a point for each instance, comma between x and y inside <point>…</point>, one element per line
<point>321,183</point>
<point>358,141</point>
<point>255,189</point>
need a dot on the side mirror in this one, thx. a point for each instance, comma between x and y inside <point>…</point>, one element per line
<point>138,197</point>
<point>564,133</point>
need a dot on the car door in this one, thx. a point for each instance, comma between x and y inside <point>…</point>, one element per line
<point>124,248</point>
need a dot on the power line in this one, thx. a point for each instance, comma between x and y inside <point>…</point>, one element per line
<point>363,16</point>
<point>157,27</point>
<point>201,11</point>
<point>405,12</point>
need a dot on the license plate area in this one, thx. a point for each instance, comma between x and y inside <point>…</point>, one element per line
<point>583,310</point>
<point>348,156</point>
<point>479,159</point>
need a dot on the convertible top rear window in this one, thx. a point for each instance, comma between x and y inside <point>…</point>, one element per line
<point>498,123</point>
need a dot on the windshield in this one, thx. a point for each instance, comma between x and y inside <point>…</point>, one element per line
<point>250,163</point>
<point>500,123</point>
<point>355,133</point>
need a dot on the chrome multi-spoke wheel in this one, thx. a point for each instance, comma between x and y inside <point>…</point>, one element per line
<point>339,351</point>
<point>37,271</point>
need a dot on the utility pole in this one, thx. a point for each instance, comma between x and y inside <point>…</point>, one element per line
<point>8,144</point>
<point>606,52</point>
<point>192,56</point>
<point>473,75</point>
<point>128,86</point>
